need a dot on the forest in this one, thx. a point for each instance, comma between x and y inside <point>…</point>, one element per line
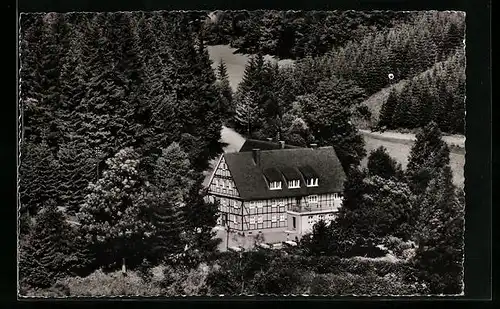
<point>122,113</point>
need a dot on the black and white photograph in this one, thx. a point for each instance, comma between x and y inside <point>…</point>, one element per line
<point>244,152</point>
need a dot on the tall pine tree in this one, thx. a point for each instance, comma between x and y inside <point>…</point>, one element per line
<point>441,236</point>
<point>226,101</point>
<point>427,156</point>
<point>172,182</point>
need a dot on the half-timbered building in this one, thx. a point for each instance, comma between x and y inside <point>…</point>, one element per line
<point>280,188</point>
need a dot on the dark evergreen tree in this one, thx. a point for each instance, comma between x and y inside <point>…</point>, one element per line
<point>319,242</point>
<point>226,101</point>
<point>38,177</point>
<point>201,218</point>
<point>246,115</point>
<point>428,155</point>
<point>441,236</point>
<point>46,255</point>
<point>77,168</point>
<point>388,109</point>
<point>172,182</point>
<point>402,116</point>
<point>381,164</point>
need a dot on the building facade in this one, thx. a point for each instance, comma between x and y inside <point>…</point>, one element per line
<point>279,189</point>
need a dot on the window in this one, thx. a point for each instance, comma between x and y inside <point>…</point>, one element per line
<point>216,182</point>
<point>275,185</point>
<point>235,220</point>
<point>229,184</point>
<point>281,204</point>
<point>312,182</point>
<point>282,217</point>
<point>294,223</point>
<point>335,195</point>
<point>252,220</point>
<point>294,184</point>
<point>236,204</point>
<point>273,218</point>
<point>313,199</point>
<point>310,220</point>
<point>260,219</point>
<point>252,205</point>
<point>259,204</point>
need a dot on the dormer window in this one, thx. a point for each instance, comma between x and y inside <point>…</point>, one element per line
<point>312,182</point>
<point>292,184</point>
<point>275,185</point>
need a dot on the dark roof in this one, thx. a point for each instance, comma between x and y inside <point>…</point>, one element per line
<point>263,145</point>
<point>308,172</point>
<point>251,184</point>
<point>290,173</point>
<point>272,174</point>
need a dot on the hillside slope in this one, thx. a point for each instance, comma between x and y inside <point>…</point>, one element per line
<point>375,102</point>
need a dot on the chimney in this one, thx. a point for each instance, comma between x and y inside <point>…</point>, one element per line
<point>282,143</point>
<point>256,156</point>
<point>269,139</point>
<point>314,146</point>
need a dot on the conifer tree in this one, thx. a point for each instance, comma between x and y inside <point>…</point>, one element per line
<point>401,116</point>
<point>388,109</point>
<point>201,218</point>
<point>226,105</point>
<point>441,236</point>
<point>319,242</point>
<point>246,113</point>
<point>172,182</point>
<point>38,177</point>
<point>354,187</point>
<point>77,167</point>
<point>380,163</point>
<point>73,81</point>
<point>45,256</point>
<point>428,155</point>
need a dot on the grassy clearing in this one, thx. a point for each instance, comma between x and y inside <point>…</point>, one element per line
<point>400,148</point>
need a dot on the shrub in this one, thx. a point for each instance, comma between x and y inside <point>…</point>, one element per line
<point>367,284</point>
<point>397,245</point>
<point>222,282</point>
<point>144,271</point>
<point>187,282</point>
<point>110,284</point>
